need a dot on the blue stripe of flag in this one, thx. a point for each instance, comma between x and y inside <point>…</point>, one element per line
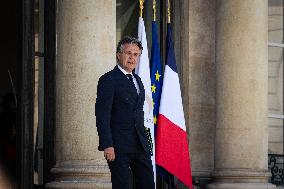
<point>156,71</point>
<point>156,87</point>
<point>170,54</point>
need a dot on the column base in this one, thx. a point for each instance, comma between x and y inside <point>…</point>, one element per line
<point>240,186</point>
<point>201,177</point>
<point>78,185</point>
<point>80,175</point>
<point>240,179</point>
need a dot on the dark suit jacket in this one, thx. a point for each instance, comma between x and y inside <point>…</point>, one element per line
<point>119,113</point>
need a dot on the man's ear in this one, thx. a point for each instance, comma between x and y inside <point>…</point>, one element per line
<point>117,56</point>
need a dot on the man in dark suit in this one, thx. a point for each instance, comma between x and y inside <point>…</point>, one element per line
<point>120,120</point>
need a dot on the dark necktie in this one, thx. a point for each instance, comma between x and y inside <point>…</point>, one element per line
<point>131,80</point>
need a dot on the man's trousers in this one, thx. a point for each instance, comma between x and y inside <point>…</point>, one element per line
<point>141,166</point>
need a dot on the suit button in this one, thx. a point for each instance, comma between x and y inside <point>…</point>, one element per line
<point>135,111</point>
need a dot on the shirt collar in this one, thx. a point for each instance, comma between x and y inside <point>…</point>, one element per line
<point>123,71</point>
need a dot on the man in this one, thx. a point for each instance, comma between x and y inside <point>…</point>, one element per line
<point>120,120</point>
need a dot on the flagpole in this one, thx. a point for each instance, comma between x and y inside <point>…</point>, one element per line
<point>154,10</point>
<point>141,2</point>
<point>169,12</point>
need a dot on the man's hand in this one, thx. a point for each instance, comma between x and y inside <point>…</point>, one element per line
<point>109,154</point>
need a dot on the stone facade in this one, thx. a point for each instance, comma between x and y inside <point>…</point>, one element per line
<point>222,60</point>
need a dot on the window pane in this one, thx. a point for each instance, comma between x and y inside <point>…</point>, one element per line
<point>127,13</point>
<point>275,145</point>
<point>275,80</point>
<point>127,17</point>
<point>275,21</point>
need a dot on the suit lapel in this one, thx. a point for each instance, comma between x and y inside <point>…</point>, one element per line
<point>123,78</point>
<point>125,85</point>
<point>126,82</point>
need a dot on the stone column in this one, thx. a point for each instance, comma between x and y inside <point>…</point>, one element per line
<point>241,143</point>
<point>201,91</point>
<point>86,43</point>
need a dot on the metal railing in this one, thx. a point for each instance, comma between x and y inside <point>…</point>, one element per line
<point>275,165</point>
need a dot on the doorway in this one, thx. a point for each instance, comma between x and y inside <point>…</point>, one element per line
<point>27,85</point>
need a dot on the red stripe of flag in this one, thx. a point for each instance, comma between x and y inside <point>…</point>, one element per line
<point>172,150</point>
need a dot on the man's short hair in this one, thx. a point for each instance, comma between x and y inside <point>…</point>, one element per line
<point>128,40</point>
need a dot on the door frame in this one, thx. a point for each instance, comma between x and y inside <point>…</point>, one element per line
<point>25,94</point>
<point>49,89</point>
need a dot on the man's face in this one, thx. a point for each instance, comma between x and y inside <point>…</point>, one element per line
<point>129,56</point>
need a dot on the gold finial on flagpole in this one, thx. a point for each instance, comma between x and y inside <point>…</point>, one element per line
<point>154,10</point>
<point>141,2</point>
<point>169,11</point>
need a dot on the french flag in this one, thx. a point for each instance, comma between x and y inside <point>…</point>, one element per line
<point>172,151</point>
